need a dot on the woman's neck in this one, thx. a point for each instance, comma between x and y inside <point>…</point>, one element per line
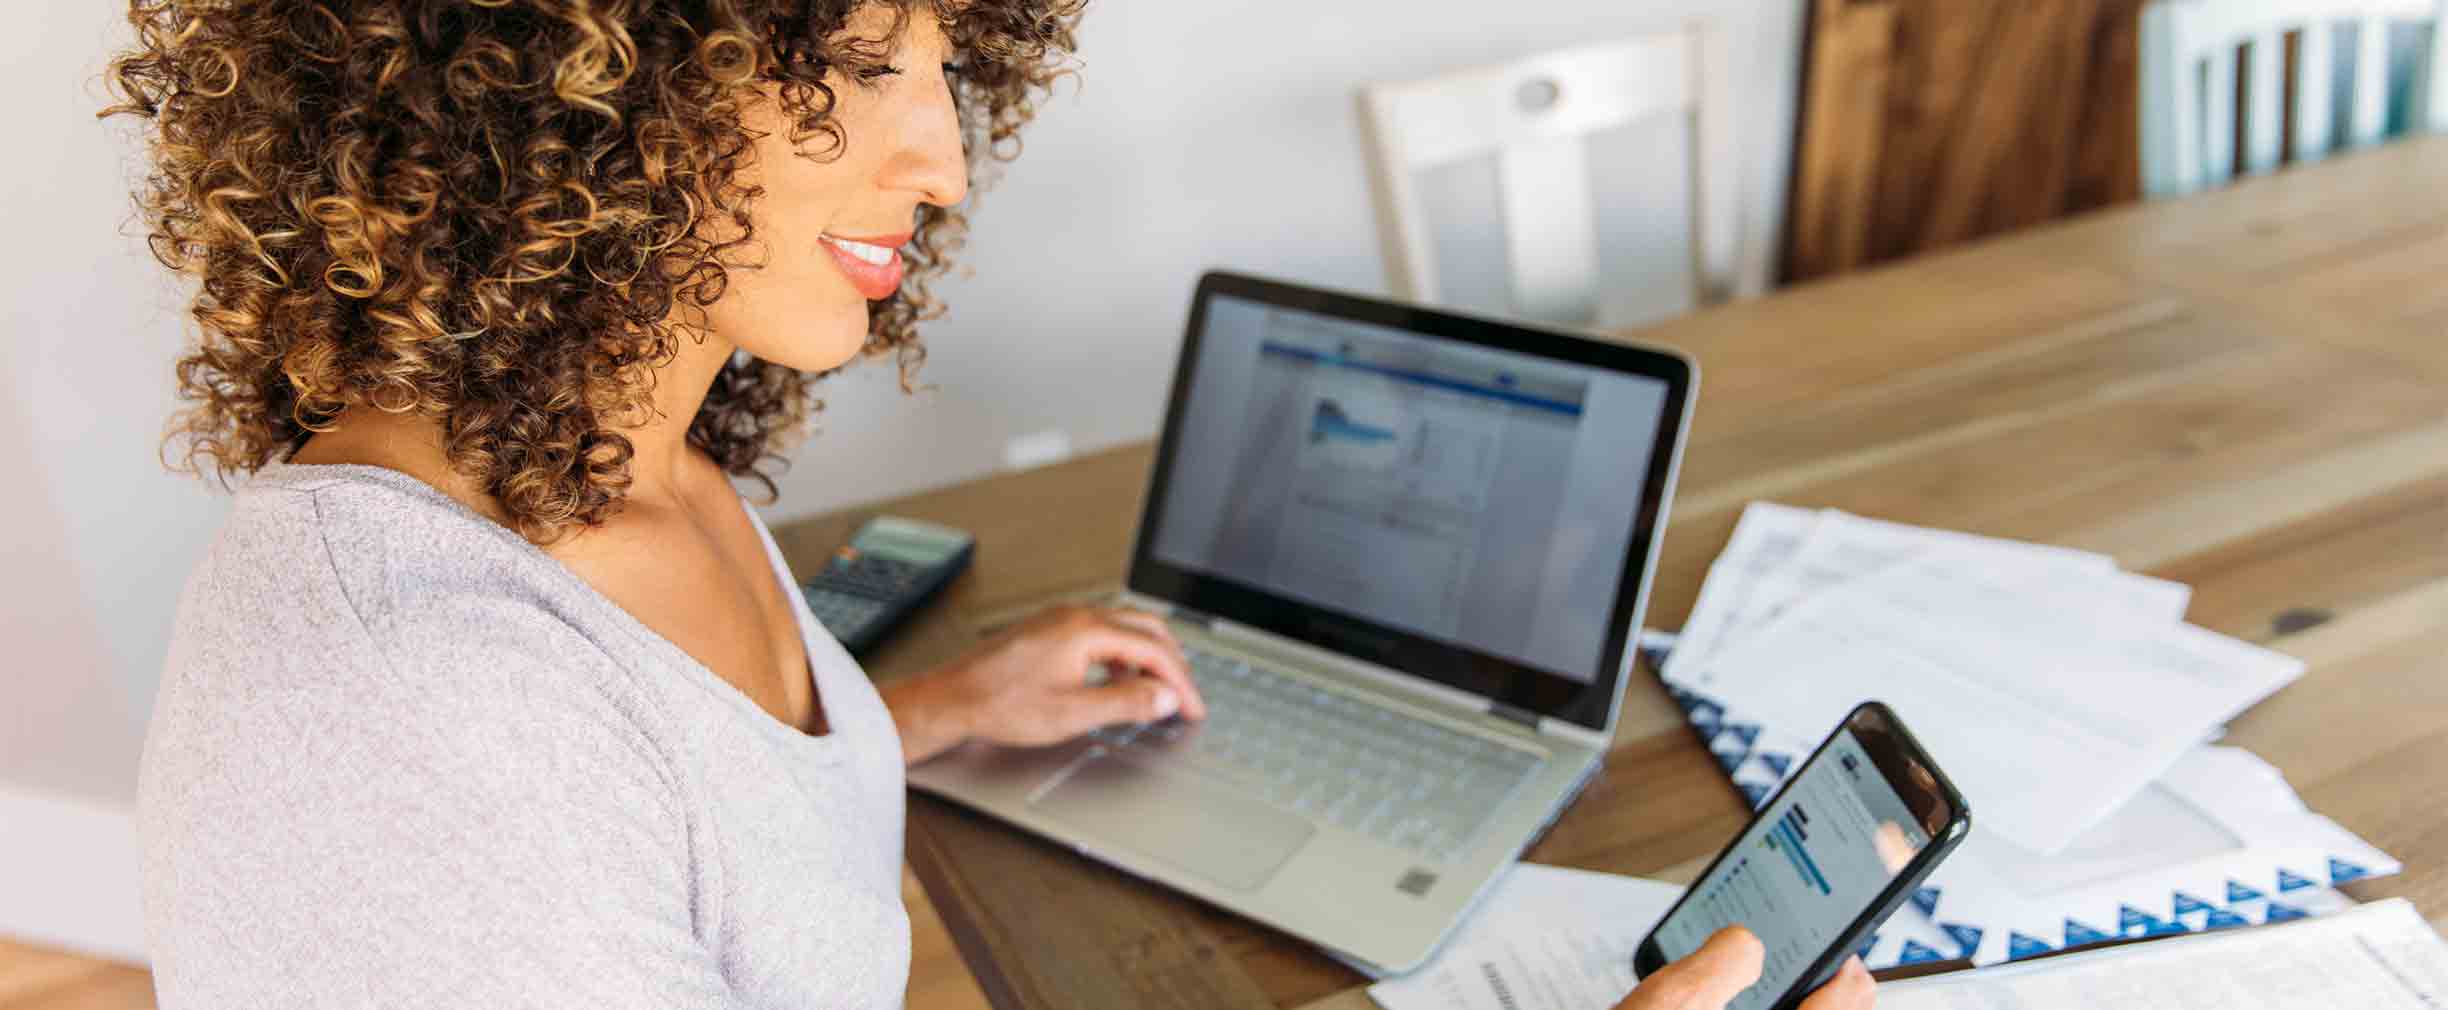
<point>660,459</point>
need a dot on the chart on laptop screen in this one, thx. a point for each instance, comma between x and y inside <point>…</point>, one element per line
<point>1477,497</point>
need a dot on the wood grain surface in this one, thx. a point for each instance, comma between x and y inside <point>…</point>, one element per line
<point>1928,123</point>
<point>2246,391</point>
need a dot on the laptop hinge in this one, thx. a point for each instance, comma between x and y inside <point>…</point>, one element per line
<point>1197,619</point>
<point>1511,714</point>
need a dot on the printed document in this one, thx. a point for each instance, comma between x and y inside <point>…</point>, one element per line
<point>2046,711</point>
<point>2377,957</point>
<point>1546,938</point>
<point>1780,555</point>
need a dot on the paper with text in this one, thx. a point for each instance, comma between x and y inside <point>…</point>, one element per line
<point>1780,555</point>
<point>2048,715</point>
<point>1545,938</point>
<point>2378,957</point>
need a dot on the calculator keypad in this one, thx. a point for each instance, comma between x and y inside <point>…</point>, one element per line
<point>857,589</point>
<point>843,614</point>
<point>880,577</point>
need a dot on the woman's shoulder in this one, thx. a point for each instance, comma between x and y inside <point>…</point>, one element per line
<point>349,630</point>
<point>316,554</point>
<point>374,726</point>
<point>357,588</point>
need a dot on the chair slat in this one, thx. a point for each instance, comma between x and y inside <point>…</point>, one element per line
<point>2435,73</point>
<point>1550,226</point>
<point>2315,90</point>
<point>2171,104</point>
<point>2218,115</point>
<point>1723,265</point>
<point>2370,120</point>
<point>1402,227</point>
<point>1477,112</point>
<point>2265,102</point>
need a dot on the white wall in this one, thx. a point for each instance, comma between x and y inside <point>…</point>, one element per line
<point>97,536</point>
<point>85,380</point>
<point>1208,134</point>
<point>1199,135</point>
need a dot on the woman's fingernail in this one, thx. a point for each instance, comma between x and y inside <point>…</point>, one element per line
<point>1167,703</point>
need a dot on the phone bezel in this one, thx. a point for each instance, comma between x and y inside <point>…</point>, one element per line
<point>1926,792</point>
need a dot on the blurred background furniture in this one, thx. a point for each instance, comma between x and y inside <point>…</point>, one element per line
<point>2240,87</point>
<point>1533,116</point>
<point>1928,123</point>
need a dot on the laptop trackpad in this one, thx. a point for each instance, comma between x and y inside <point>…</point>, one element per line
<point>1182,818</point>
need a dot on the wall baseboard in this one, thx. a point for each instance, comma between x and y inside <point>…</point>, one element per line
<point>68,875</point>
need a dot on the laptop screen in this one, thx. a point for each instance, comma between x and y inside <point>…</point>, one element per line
<point>1442,487</point>
<point>1476,497</point>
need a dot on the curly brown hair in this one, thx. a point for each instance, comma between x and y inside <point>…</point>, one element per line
<point>487,212</point>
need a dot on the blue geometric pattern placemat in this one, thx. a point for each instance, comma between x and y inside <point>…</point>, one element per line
<point>1758,760</point>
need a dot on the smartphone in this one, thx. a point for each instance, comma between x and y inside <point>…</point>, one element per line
<point>1825,861</point>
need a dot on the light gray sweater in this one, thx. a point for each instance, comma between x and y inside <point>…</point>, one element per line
<point>402,758</point>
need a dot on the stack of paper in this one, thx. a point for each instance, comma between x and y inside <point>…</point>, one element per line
<point>2068,700</point>
<point>1544,938</point>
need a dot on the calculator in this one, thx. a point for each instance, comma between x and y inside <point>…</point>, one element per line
<point>882,576</point>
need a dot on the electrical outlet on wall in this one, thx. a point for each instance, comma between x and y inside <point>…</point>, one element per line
<point>1036,449</point>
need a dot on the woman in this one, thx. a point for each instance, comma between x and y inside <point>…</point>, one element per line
<point>493,692</point>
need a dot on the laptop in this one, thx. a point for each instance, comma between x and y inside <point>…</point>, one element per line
<point>1408,551</point>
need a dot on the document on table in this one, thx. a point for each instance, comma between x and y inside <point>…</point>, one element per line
<point>1780,555</point>
<point>1765,540</point>
<point>2377,957</point>
<point>1545,938</point>
<point>2214,805</point>
<point>2048,712</point>
<point>2219,841</point>
<point>1842,547</point>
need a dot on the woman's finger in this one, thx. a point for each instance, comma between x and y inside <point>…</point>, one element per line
<point>1709,978</point>
<point>1112,642</point>
<point>1125,699</point>
<point>1194,705</point>
<point>1851,989</point>
<point>1151,624</point>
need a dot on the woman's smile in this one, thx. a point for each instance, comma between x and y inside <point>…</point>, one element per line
<point>873,264</point>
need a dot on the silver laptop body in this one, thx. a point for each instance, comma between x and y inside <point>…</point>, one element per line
<point>1413,655</point>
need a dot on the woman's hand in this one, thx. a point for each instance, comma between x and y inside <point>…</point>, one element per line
<point>1728,964</point>
<point>1058,675</point>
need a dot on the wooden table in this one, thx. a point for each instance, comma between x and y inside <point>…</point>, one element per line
<point>2246,391</point>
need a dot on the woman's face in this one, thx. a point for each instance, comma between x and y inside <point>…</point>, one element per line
<point>829,229</point>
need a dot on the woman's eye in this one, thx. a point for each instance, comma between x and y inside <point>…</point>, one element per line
<point>953,70</point>
<point>876,73</point>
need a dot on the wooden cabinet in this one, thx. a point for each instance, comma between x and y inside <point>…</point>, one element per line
<point>1926,123</point>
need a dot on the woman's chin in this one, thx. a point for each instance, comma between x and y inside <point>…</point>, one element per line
<point>816,350</point>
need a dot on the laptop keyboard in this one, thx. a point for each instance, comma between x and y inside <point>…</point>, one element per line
<point>1343,761</point>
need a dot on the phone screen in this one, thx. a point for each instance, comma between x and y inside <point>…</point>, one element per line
<point>1810,865</point>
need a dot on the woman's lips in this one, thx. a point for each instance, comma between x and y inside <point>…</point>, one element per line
<point>872,264</point>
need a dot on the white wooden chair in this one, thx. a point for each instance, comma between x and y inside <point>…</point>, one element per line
<point>2190,54</point>
<point>1532,115</point>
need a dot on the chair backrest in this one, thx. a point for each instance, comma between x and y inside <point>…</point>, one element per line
<point>1533,115</point>
<point>2195,51</point>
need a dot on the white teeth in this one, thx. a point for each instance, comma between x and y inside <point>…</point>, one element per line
<point>866,252</point>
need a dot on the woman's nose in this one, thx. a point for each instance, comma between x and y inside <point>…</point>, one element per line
<point>932,160</point>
